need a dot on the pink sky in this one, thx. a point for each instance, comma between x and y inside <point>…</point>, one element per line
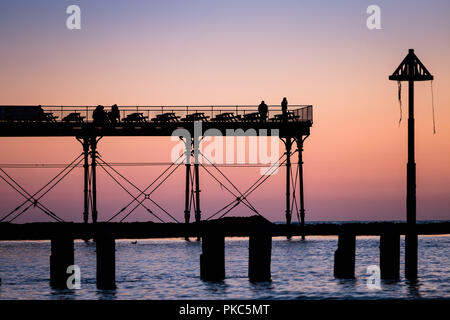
<point>355,158</point>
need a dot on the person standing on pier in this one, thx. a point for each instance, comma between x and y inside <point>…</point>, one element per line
<point>263,109</point>
<point>284,107</point>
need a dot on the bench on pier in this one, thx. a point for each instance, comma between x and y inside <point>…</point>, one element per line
<point>290,116</point>
<point>251,117</point>
<point>49,117</point>
<point>74,117</point>
<point>226,117</point>
<point>137,117</point>
<point>166,117</point>
<point>197,116</point>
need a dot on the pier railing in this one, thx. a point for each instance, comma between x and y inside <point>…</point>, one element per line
<point>297,113</point>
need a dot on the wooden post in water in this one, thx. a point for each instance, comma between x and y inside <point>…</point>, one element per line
<point>390,255</point>
<point>259,257</point>
<point>411,69</point>
<point>212,259</point>
<point>106,260</point>
<point>344,256</point>
<point>61,257</point>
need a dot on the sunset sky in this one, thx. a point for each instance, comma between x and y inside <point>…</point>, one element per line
<point>235,52</point>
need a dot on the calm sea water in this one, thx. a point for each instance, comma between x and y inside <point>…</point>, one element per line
<point>169,269</point>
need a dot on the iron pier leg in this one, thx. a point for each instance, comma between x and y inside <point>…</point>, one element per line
<point>411,233</point>
<point>288,181</point>
<point>300,176</point>
<point>197,181</point>
<point>86,179</point>
<point>94,178</point>
<point>197,194</point>
<point>187,212</point>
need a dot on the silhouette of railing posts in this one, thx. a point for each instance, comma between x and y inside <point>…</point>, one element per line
<point>259,257</point>
<point>61,257</point>
<point>390,255</point>
<point>344,256</point>
<point>106,259</point>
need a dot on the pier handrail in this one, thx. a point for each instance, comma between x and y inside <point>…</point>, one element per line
<point>301,113</point>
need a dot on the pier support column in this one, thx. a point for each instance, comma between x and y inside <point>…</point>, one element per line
<point>94,178</point>
<point>411,233</point>
<point>197,194</point>
<point>188,153</point>
<point>300,181</point>
<point>196,143</point>
<point>288,144</point>
<point>61,257</point>
<point>106,260</point>
<point>86,179</point>
<point>212,259</point>
<point>187,211</point>
<point>411,243</point>
<point>390,255</point>
<point>259,257</point>
<point>344,256</point>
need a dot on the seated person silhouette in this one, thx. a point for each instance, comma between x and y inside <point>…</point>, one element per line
<point>99,115</point>
<point>263,109</point>
<point>114,114</point>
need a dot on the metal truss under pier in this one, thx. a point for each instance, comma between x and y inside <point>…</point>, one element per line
<point>292,127</point>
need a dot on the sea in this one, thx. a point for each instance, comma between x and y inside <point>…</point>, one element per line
<point>169,269</point>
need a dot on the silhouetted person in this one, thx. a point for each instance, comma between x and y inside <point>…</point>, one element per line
<point>284,107</point>
<point>263,109</point>
<point>114,115</point>
<point>41,113</point>
<point>99,115</point>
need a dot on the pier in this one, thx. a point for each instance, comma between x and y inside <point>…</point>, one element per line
<point>190,124</point>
